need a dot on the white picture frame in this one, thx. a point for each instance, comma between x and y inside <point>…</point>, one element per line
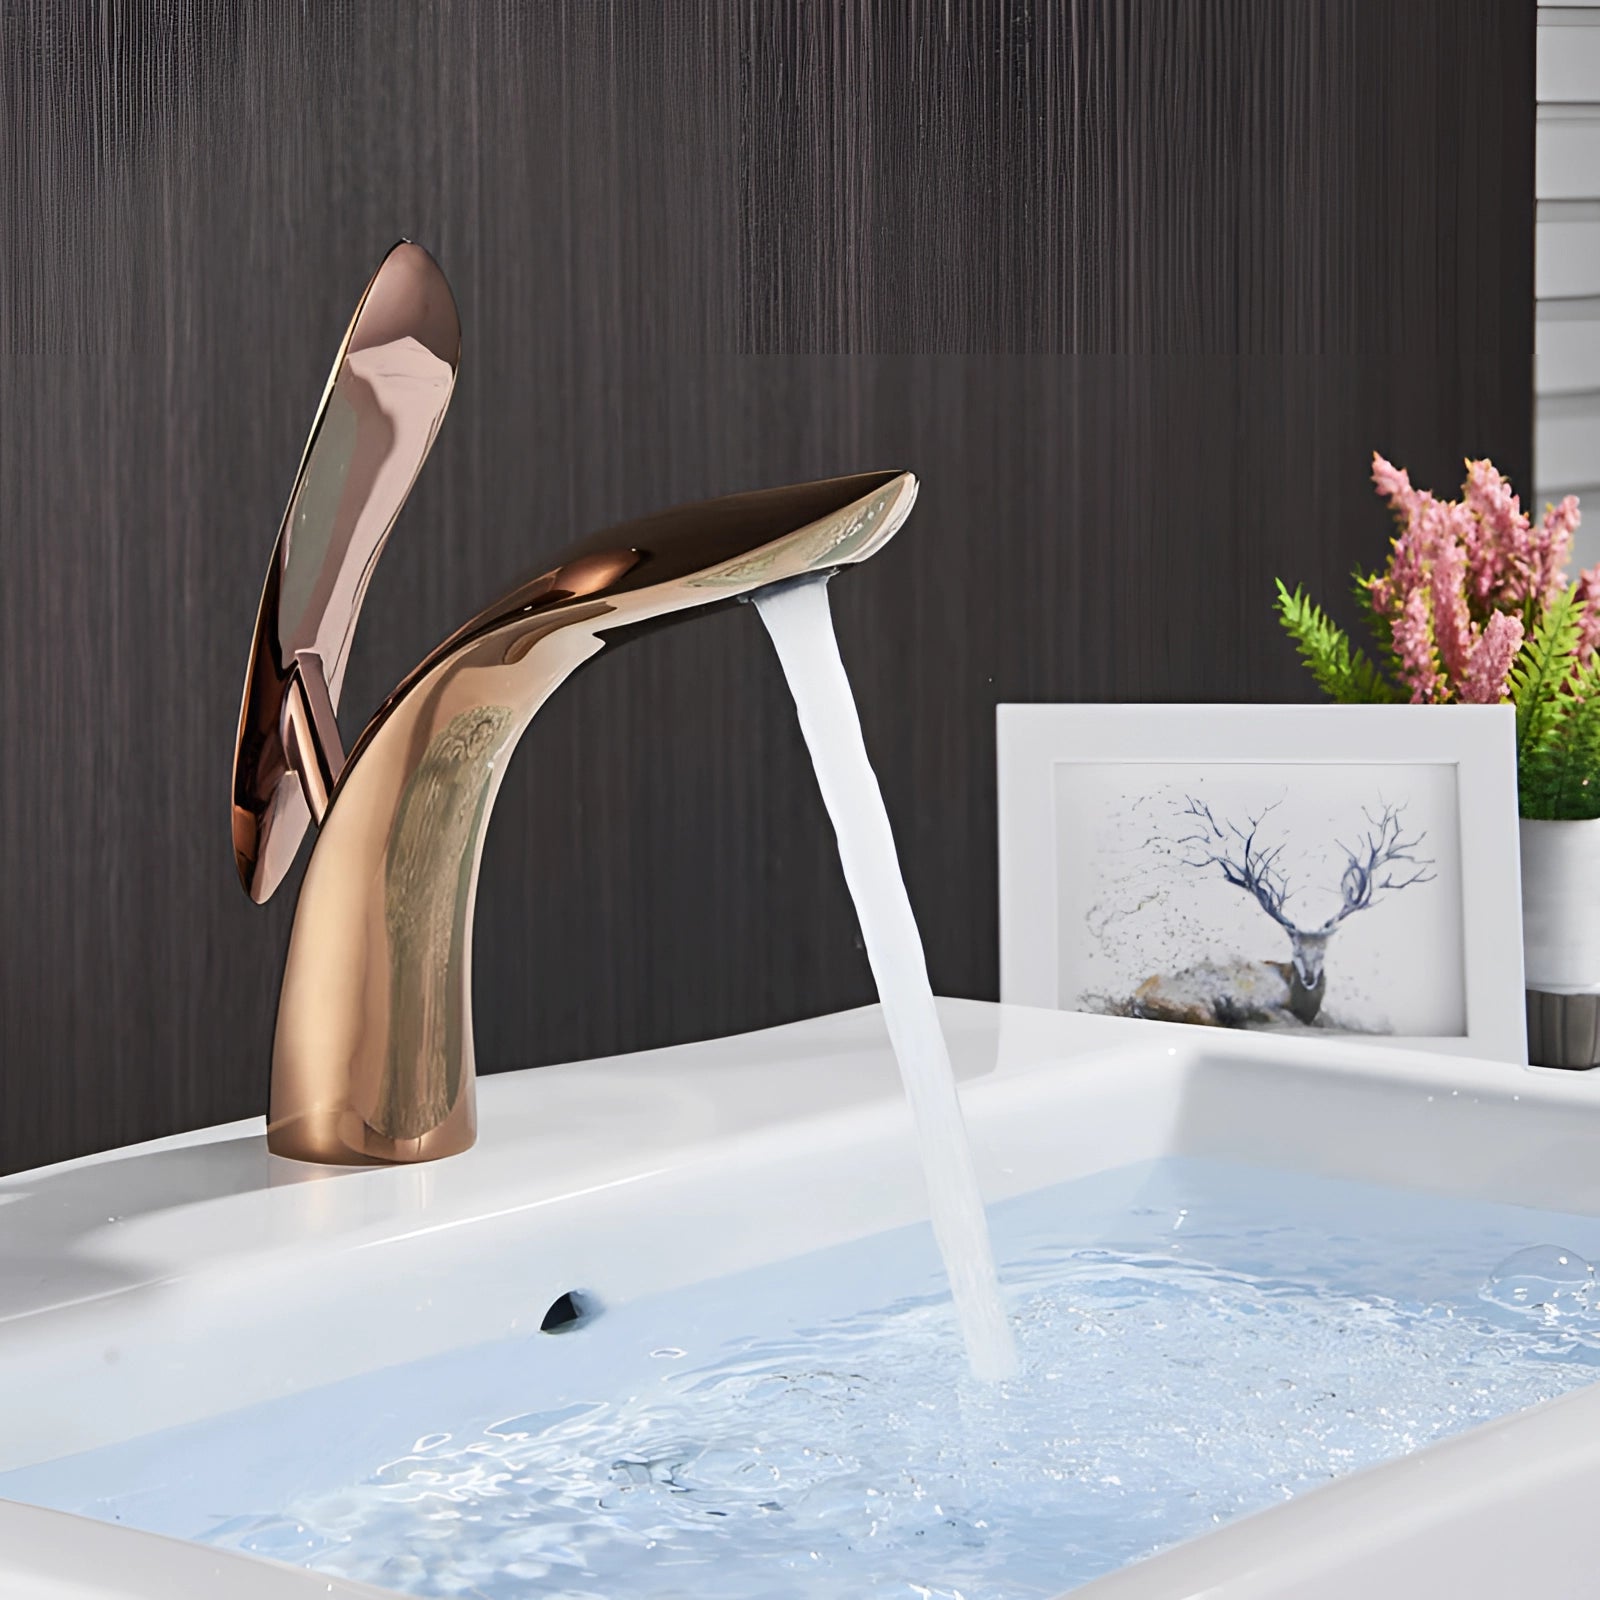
<point>1102,846</point>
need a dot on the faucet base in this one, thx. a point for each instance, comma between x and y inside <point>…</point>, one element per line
<point>337,1136</point>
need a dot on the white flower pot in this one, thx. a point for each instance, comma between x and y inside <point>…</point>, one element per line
<point>1561,906</point>
<point>1561,941</point>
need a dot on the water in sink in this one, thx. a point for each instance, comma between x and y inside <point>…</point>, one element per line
<point>1197,1340</point>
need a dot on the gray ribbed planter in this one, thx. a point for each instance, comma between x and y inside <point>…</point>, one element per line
<point>1563,1029</point>
<point>1561,941</point>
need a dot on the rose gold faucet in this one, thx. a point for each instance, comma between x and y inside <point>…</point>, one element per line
<point>372,1059</point>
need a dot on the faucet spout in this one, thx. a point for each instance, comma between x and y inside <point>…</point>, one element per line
<point>373,1056</point>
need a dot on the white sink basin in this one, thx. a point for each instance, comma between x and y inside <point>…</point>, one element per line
<point>186,1279</point>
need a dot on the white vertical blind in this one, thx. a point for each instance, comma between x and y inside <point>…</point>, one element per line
<point>1567,264</point>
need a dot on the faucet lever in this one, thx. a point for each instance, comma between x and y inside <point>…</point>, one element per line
<point>381,408</point>
<point>310,733</point>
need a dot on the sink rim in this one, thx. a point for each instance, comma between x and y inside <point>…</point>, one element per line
<point>609,1119</point>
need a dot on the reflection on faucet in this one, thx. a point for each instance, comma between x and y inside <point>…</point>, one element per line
<point>373,1055</point>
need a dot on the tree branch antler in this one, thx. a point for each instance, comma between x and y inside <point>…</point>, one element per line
<point>1243,861</point>
<point>1383,863</point>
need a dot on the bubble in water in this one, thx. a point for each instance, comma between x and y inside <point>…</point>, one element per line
<point>1544,1279</point>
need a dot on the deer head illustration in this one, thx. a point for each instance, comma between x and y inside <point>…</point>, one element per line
<point>1383,862</point>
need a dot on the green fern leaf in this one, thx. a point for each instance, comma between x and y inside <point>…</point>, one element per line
<point>1540,672</point>
<point>1568,774</point>
<point>1342,673</point>
<point>1543,693</point>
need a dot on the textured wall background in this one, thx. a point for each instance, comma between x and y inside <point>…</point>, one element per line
<point>1135,285</point>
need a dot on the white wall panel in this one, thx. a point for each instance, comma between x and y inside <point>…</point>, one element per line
<point>1566,445</point>
<point>1568,153</point>
<point>1566,258</point>
<point>1567,435</point>
<point>1568,356</point>
<point>1569,56</point>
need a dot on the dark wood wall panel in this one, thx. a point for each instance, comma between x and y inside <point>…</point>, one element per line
<point>1135,287</point>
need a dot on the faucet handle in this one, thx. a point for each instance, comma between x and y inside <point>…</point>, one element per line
<point>385,398</point>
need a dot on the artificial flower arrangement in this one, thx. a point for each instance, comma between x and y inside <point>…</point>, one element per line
<point>1474,608</point>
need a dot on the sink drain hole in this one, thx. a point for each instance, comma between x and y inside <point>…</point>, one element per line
<point>569,1310</point>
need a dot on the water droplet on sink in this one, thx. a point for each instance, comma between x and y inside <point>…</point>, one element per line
<point>1545,1279</point>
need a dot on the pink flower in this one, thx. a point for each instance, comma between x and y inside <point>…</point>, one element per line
<point>1553,546</point>
<point>1502,563</point>
<point>1389,589</point>
<point>1589,627</point>
<point>1429,524</point>
<point>1394,484</point>
<point>1453,631</point>
<point>1484,681</point>
<point>1413,644</point>
<point>1466,578</point>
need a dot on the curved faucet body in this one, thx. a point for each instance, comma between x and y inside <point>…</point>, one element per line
<point>373,1057</point>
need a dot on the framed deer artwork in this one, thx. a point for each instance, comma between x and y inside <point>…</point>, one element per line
<point>1306,870</point>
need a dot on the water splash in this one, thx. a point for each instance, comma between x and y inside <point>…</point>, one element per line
<point>800,625</point>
